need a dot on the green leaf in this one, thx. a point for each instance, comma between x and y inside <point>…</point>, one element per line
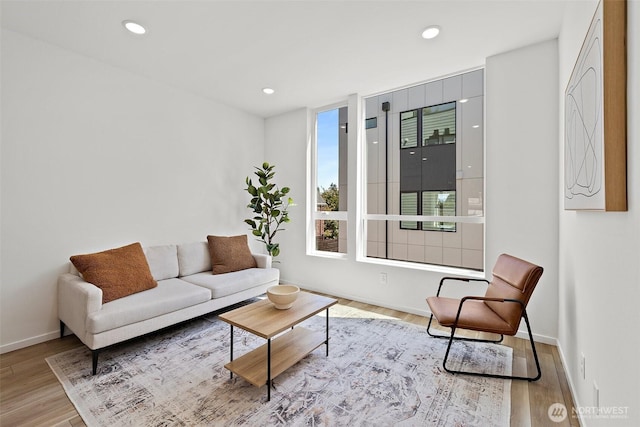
<point>268,205</point>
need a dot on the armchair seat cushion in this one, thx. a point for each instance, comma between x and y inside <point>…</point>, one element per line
<point>475,315</point>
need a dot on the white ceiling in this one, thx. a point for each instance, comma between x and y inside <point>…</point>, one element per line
<point>312,53</point>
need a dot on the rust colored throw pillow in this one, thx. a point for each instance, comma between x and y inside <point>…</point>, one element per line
<point>230,254</point>
<point>118,272</point>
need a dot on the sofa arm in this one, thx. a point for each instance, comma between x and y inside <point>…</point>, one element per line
<point>76,300</point>
<point>263,261</point>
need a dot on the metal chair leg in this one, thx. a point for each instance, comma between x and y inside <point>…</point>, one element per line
<point>460,338</point>
<point>481,374</point>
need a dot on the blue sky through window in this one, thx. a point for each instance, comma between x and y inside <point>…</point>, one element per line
<point>327,141</point>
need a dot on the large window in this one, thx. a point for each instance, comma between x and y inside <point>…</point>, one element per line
<point>416,176</point>
<point>424,173</point>
<point>330,181</point>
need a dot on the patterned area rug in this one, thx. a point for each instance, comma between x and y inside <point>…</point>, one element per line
<point>380,372</point>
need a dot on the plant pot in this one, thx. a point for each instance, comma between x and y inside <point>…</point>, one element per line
<point>283,296</point>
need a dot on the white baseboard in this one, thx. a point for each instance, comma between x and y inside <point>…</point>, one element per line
<point>544,339</point>
<point>572,388</point>
<point>360,299</point>
<point>521,334</point>
<point>17,345</point>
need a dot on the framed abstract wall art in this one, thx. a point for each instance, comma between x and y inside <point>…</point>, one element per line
<point>595,119</point>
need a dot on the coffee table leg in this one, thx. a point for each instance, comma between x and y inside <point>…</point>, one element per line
<point>231,357</point>
<point>327,329</point>
<point>268,369</point>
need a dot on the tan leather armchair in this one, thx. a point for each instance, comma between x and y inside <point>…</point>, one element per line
<point>499,311</point>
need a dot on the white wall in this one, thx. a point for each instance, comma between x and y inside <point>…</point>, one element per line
<point>600,255</point>
<point>515,223</point>
<point>94,157</point>
<point>521,177</point>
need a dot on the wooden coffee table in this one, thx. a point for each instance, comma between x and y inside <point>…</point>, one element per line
<point>261,318</point>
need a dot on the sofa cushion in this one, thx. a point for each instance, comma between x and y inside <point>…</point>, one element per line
<point>170,295</point>
<point>163,261</point>
<point>193,258</point>
<point>118,272</point>
<point>226,284</point>
<point>230,254</point>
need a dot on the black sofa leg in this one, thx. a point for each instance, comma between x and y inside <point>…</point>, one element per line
<point>94,357</point>
<point>94,353</point>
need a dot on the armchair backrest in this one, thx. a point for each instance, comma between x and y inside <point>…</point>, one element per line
<point>513,278</point>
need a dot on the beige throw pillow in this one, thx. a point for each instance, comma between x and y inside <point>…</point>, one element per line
<point>118,272</point>
<point>230,254</point>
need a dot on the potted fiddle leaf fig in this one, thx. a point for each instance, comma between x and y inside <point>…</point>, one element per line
<point>269,205</point>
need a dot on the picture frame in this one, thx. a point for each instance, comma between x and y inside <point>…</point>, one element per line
<point>595,119</point>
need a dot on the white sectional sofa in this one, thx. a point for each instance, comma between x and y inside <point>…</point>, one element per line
<point>186,289</point>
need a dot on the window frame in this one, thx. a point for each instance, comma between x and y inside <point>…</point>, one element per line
<point>313,214</point>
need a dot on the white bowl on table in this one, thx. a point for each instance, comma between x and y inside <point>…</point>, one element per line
<point>283,296</point>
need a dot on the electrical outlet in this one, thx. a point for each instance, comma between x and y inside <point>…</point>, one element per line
<point>583,370</point>
<point>596,397</point>
<point>383,278</point>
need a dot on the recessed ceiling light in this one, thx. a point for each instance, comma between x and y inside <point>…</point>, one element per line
<point>475,126</point>
<point>463,100</point>
<point>134,27</point>
<point>431,32</point>
<point>268,91</point>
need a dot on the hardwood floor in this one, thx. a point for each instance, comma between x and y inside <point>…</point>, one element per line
<point>30,394</point>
